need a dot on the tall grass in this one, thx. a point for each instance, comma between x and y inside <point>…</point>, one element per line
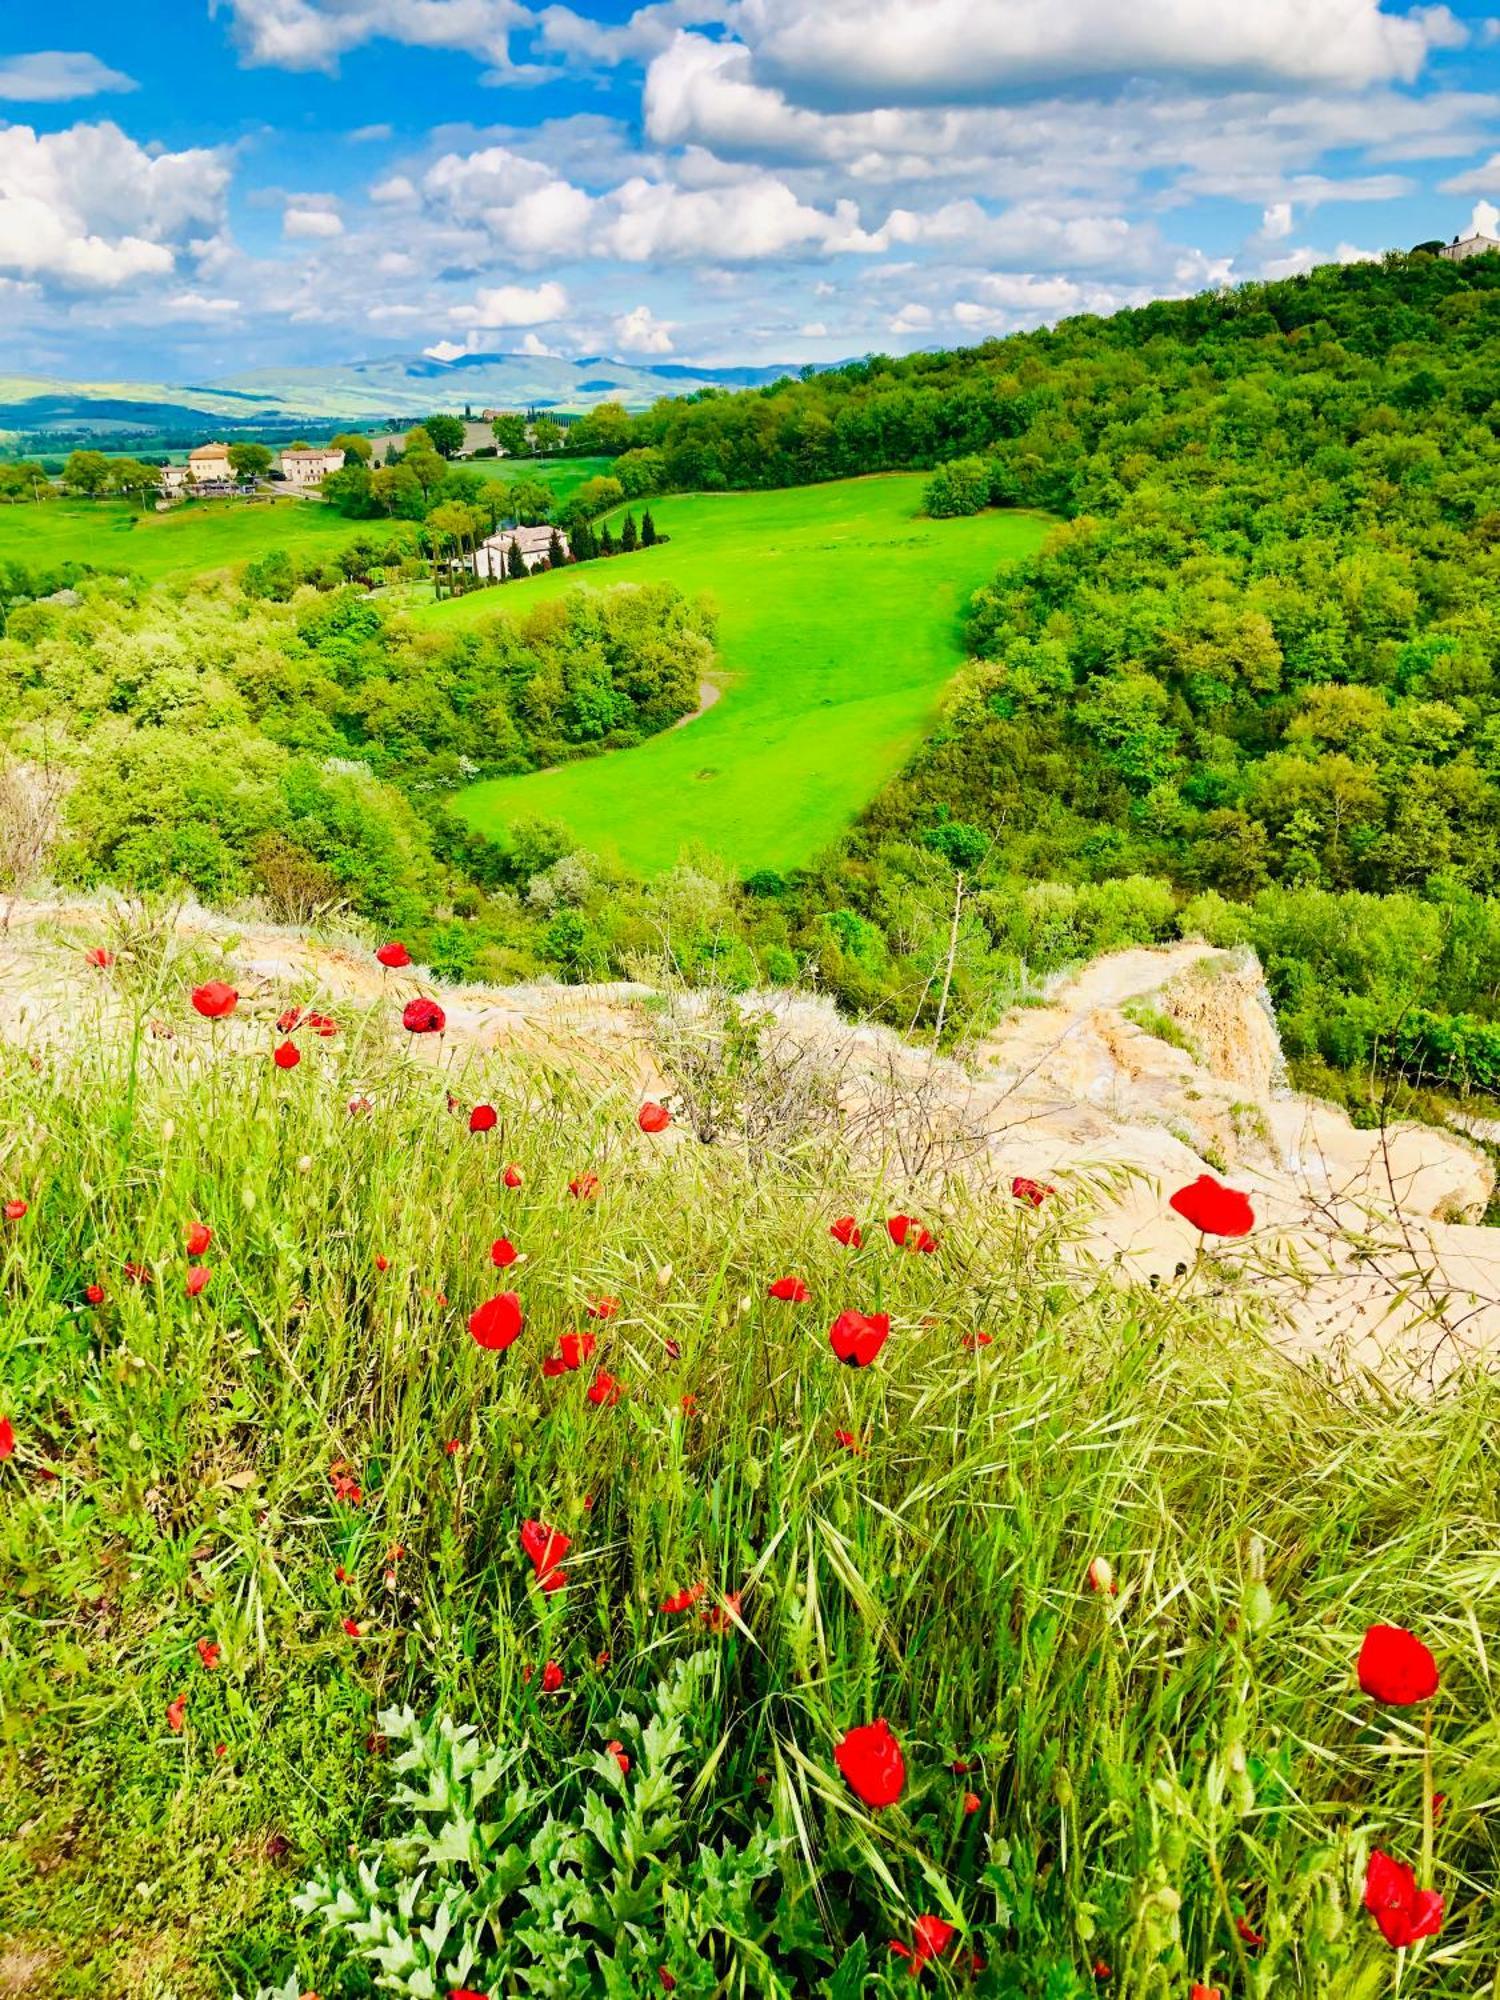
<point>1150,1766</point>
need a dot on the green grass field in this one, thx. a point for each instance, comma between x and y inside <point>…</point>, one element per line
<point>839,623</point>
<point>238,1526</point>
<point>203,535</point>
<point>563,475</point>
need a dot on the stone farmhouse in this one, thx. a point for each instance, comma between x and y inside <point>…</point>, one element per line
<point>533,543</point>
<point>310,466</point>
<point>1468,246</point>
<point>209,465</point>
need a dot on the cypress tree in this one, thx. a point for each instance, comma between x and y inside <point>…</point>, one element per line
<point>606,541</point>
<point>648,530</point>
<point>517,562</point>
<point>555,554</point>
<point>629,539</point>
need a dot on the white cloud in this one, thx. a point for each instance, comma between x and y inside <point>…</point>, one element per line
<point>445,350</point>
<point>886,52</point>
<point>197,305</point>
<point>311,218</point>
<point>313,34</point>
<point>396,191</point>
<point>911,319</point>
<point>1276,222</point>
<point>514,305</point>
<point>1482,180</point>
<point>89,208</point>
<point>55,76</point>
<point>648,30</point>
<point>369,135</point>
<point>814,329</point>
<point>1485,220</point>
<point>639,332</point>
<point>531,344</point>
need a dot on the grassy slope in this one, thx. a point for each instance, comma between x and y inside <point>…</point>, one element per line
<point>839,614</point>
<point>204,535</point>
<point>563,475</point>
<point>936,1579</point>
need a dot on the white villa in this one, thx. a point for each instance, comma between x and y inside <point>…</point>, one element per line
<point>310,466</point>
<point>1468,246</point>
<point>533,543</point>
<point>174,479</point>
<point>209,465</point>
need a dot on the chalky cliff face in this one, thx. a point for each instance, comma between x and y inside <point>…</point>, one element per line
<point>1143,1072</point>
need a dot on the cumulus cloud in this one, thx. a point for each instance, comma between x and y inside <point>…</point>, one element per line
<point>311,217</point>
<point>639,332</point>
<point>89,208</point>
<point>648,30</point>
<point>514,305</point>
<point>1276,221</point>
<point>314,34</point>
<point>884,52</point>
<point>55,76</point>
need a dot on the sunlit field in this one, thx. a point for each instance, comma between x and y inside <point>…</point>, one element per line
<point>840,610</point>
<point>1024,1641</point>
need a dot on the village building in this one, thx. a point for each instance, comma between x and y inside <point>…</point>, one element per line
<point>310,466</point>
<point>209,465</point>
<point>534,544</point>
<point>173,481</point>
<point>1468,246</point>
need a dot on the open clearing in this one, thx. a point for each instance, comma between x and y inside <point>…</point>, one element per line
<point>204,535</point>
<point>839,623</point>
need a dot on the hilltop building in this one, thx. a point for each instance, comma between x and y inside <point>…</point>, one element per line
<point>534,544</point>
<point>209,465</point>
<point>311,465</point>
<point>1468,246</point>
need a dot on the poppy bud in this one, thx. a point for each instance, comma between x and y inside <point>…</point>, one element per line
<point>1101,1578</point>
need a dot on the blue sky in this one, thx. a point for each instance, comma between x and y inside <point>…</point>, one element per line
<point>189,190</point>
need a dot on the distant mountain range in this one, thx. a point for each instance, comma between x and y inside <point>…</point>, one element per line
<point>361,392</point>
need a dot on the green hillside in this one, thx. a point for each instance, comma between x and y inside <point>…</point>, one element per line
<point>114,536</point>
<point>840,611</point>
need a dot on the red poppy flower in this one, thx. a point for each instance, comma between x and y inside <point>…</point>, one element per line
<point>360,1107</point>
<point>323,1024</point>
<point>552,1677</point>
<point>1101,1578</point>
<point>585,1187</point>
<point>960,1767</point>
<point>688,1404</point>
<point>351,1626</point>
<point>176,1711</point>
<point>208,1652</point>
<point>1248,1934</point>
<point>971,1803</point>
<point>394,955</point>
<point>723,1617</point>
<point>197,1279</point>
<point>1101,1970</point>
<point>930,1938</point>
<point>653,1117</point>
<point>791,1289</point>
<point>668,1981</point>
<point>197,1236</point>
<point>603,1307</point>
<point>849,1441</point>
<point>214,999</point>
<point>496,1323</point>
<point>95,1295</point>
<point>382,1262</point>
<point>1197,1992</point>
<point>871,1761</point>
<point>856,1338</point>
<point>604,1389</point>
<point>14,1210</point>
<point>573,1349</point>
<point>483,1118</point>
<point>138,1274</point>
<point>1213,1208</point>
<point>345,1486</point>
<point>221,1749</point>
<point>423,1017</point>
<point>503,1252</point>
<point>286,1055</point>
<point>616,1749</point>
<point>512,1176</point>
<point>908,1234</point>
<point>846,1231</point>
<point>683,1600</point>
<point>1033,1193</point>
<point>453,1447</point>
<point>98,955</point>
<point>1395,1667</point>
<point>465,1993</point>
<point>1405,1913</point>
<point>974,1341</point>
<point>286,1023</point>
<point>7,1437</point>
<point>546,1547</point>
<point>341,1575</point>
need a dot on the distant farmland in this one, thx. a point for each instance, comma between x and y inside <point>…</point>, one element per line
<point>839,624</point>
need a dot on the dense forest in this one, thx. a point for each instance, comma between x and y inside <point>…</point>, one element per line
<point>1247,687</point>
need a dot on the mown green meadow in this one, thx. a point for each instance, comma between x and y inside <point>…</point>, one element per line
<point>246,1520</point>
<point>839,612</point>
<point>202,535</point>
